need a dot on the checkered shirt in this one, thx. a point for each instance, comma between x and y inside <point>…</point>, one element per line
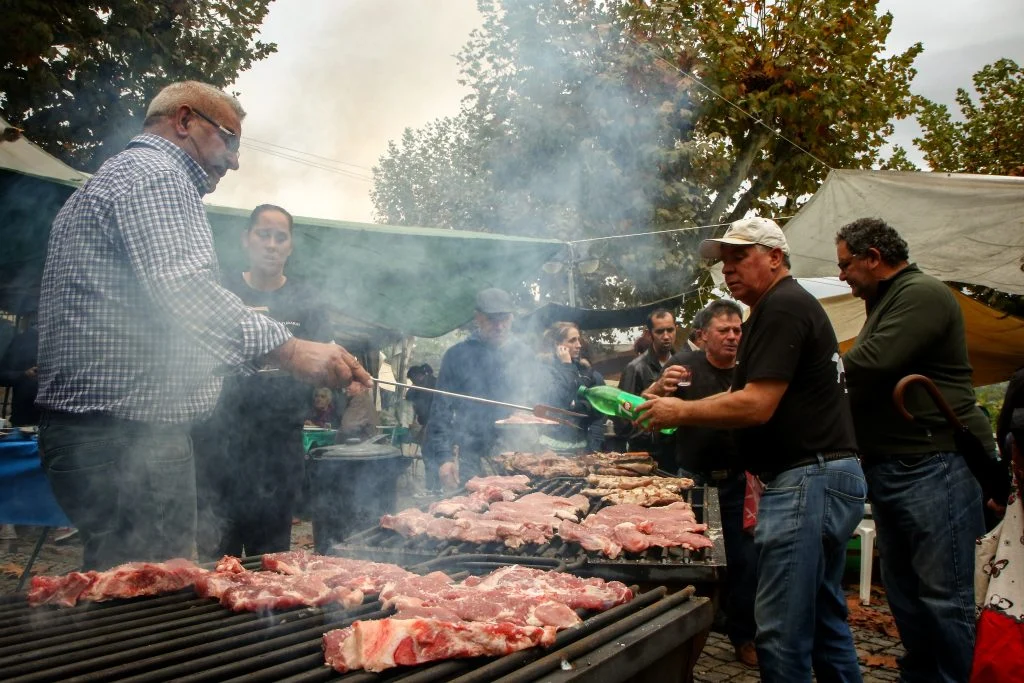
<point>133,322</point>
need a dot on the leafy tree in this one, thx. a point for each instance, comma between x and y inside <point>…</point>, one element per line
<point>77,76</point>
<point>799,82</point>
<point>586,120</point>
<point>990,139</point>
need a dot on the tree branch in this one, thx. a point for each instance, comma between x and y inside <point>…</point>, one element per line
<point>754,143</point>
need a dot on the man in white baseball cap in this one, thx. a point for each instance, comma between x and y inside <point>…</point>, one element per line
<point>761,231</point>
<point>793,428</point>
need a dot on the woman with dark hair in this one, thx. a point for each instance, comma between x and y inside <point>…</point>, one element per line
<point>570,371</point>
<point>249,459</point>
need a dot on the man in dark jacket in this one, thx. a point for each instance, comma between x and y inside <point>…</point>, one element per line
<point>487,365</point>
<point>926,504</point>
<point>639,375</point>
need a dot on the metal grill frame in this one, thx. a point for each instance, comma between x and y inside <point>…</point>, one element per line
<point>184,638</point>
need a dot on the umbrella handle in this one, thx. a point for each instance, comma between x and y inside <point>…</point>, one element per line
<point>933,391</point>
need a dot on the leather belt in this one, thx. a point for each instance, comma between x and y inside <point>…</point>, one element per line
<point>815,459</point>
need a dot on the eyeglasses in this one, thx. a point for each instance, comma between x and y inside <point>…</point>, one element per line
<point>230,138</point>
<point>846,263</point>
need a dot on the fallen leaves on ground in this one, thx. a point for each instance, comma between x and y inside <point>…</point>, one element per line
<point>11,569</point>
<point>881,661</point>
<point>871,619</point>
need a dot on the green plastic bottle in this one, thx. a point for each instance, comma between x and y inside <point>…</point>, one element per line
<point>611,401</point>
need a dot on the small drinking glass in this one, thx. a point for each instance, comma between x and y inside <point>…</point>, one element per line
<point>687,378</point>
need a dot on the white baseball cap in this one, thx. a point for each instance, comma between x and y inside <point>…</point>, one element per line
<point>744,232</point>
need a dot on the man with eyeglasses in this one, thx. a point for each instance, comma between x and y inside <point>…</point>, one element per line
<point>489,364</point>
<point>641,372</point>
<point>926,504</point>
<point>135,331</point>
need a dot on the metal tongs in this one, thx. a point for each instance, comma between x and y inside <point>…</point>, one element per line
<point>540,410</point>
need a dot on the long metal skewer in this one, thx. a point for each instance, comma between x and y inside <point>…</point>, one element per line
<point>514,406</point>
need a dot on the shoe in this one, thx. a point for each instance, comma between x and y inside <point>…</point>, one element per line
<point>746,654</point>
<point>65,535</point>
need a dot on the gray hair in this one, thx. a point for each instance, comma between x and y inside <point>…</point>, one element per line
<point>190,93</point>
<point>865,233</point>
<point>768,250</point>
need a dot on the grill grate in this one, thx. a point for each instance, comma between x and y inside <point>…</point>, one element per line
<point>182,638</point>
<point>668,566</point>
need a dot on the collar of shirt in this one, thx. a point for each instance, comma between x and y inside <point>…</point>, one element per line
<point>191,167</point>
<point>885,285</point>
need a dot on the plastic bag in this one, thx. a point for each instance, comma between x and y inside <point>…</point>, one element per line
<point>751,501</point>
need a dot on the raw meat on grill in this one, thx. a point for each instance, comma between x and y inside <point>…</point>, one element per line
<point>540,507</point>
<point>434,595</point>
<point>646,496</point>
<point>386,643</point>
<point>430,608</point>
<point>256,591</point>
<point>532,518</point>
<point>594,540</point>
<point>550,464</point>
<point>675,484</point>
<point>518,483</point>
<point>635,528</point>
<point>591,594</point>
<point>131,580</point>
<point>449,507</point>
<point>547,464</point>
<point>360,575</point>
<point>498,488</point>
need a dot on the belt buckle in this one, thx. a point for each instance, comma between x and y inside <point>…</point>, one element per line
<point>718,475</point>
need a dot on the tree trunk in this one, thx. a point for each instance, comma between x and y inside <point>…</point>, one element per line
<point>754,143</point>
<point>757,188</point>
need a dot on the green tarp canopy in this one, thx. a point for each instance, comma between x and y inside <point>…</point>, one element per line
<point>392,280</point>
<point>419,281</point>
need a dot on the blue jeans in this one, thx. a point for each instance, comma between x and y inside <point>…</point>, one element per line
<point>928,515</point>
<point>740,555</point>
<point>805,520</point>
<point>128,487</point>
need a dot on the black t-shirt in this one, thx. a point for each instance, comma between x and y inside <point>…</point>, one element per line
<point>283,400</point>
<point>703,449</point>
<point>789,337</point>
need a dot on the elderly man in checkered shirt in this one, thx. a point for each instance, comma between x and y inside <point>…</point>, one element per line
<point>135,330</point>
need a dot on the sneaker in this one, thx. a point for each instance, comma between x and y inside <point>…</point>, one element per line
<point>746,654</point>
<point>65,535</point>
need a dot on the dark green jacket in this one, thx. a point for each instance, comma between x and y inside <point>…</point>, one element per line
<point>914,327</point>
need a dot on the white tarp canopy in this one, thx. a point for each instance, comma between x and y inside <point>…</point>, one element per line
<point>960,228</point>
<point>23,156</point>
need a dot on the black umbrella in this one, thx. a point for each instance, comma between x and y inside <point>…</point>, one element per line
<point>991,473</point>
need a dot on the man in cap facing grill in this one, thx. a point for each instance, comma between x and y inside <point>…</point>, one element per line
<point>788,402</point>
<point>488,365</point>
<point>134,328</point>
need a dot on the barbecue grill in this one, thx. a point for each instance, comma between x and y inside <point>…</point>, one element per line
<point>661,566</point>
<point>656,636</point>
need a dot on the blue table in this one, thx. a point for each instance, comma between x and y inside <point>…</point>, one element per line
<point>25,494</point>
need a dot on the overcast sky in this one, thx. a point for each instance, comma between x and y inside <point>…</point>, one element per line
<point>350,75</point>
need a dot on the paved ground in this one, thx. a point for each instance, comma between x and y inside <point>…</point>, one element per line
<point>874,632</point>
<point>873,635</point>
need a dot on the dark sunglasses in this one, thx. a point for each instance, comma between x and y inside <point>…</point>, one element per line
<point>230,138</point>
